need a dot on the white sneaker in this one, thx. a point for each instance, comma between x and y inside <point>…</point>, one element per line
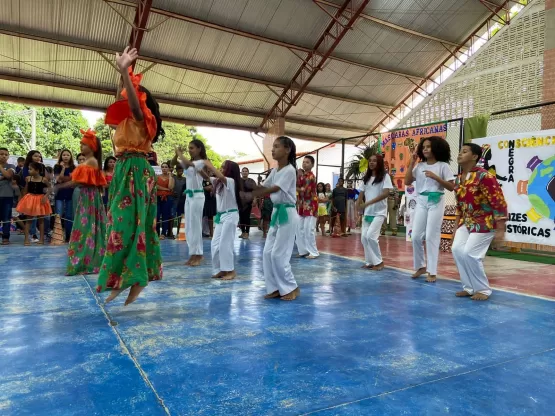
<point>35,240</point>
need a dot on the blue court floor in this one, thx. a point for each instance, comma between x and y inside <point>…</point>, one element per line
<point>354,343</point>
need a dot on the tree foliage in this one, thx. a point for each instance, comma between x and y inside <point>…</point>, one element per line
<point>58,129</point>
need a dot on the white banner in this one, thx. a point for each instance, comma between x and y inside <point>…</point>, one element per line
<point>524,164</point>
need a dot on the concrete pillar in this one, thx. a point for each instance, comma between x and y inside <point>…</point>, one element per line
<point>548,113</point>
<point>277,129</point>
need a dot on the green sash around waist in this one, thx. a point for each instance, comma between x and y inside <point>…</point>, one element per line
<point>218,216</point>
<point>369,218</point>
<point>280,215</point>
<point>190,192</point>
<point>433,197</point>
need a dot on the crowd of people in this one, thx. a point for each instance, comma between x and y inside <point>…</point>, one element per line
<point>115,213</point>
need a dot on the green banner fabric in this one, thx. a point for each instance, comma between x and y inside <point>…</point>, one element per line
<point>475,127</point>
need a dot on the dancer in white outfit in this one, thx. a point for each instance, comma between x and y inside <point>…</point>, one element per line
<point>481,209</point>
<point>375,191</point>
<point>432,177</point>
<point>194,202</point>
<point>226,186</point>
<point>308,211</point>
<point>281,186</point>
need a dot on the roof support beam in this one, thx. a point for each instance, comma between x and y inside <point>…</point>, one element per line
<point>137,32</point>
<point>195,123</point>
<point>185,66</point>
<point>392,25</point>
<point>468,42</point>
<point>162,100</point>
<point>259,38</point>
<point>343,21</point>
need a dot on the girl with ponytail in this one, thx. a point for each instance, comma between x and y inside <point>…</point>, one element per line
<point>281,185</point>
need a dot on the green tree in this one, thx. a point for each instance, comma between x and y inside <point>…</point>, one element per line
<point>181,135</point>
<point>56,129</point>
<point>176,135</point>
<point>103,134</point>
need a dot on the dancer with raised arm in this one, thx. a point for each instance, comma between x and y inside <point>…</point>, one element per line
<point>432,176</point>
<point>194,202</point>
<point>226,186</point>
<point>132,248</point>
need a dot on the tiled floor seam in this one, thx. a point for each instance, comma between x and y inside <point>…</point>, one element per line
<point>126,349</point>
<point>428,382</point>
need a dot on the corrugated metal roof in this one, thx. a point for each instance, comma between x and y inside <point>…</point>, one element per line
<point>447,19</point>
<point>299,22</point>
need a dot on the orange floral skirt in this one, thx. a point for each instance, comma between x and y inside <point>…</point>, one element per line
<point>33,206</point>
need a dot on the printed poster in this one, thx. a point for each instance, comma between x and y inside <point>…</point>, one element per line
<point>524,164</point>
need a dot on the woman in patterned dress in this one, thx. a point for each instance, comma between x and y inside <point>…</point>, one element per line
<point>87,243</point>
<point>133,249</point>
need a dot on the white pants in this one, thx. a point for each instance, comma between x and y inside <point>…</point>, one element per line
<point>306,236</point>
<point>428,218</point>
<point>277,256</point>
<point>222,243</point>
<point>469,250</point>
<point>193,223</point>
<point>369,238</point>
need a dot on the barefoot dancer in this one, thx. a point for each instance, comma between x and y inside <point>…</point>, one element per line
<point>87,244</point>
<point>481,209</point>
<point>194,203</point>
<point>432,177</point>
<point>133,250</point>
<point>226,185</point>
<point>375,190</point>
<point>281,186</point>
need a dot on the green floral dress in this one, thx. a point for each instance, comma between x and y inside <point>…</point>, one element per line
<point>132,248</point>
<point>87,243</point>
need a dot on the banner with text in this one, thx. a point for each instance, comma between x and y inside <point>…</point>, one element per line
<point>524,164</point>
<point>399,145</point>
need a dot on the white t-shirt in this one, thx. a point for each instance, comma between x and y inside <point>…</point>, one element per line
<point>225,199</point>
<point>192,175</point>
<point>372,191</point>
<point>424,184</point>
<point>286,179</point>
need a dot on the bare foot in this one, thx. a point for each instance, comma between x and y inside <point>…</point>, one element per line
<point>378,267</point>
<point>272,295</point>
<point>311,257</point>
<point>419,273</point>
<point>480,296</point>
<point>197,261</point>
<point>218,275</point>
<point>188,262</point>
<point>133,294</point>
<point>431,278</point>
<point>462,294</point>
<point>293,295</point>
<point>113,294</point>
<point>229,275</point>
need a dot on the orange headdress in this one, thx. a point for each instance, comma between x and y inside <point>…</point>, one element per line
<point>89,139</point>
<point>120,110</point>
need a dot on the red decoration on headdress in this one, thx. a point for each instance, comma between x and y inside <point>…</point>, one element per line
<point>120,110</point>
<point>89,139</point>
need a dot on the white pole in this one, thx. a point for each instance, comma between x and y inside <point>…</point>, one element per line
<point>33,128</point>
